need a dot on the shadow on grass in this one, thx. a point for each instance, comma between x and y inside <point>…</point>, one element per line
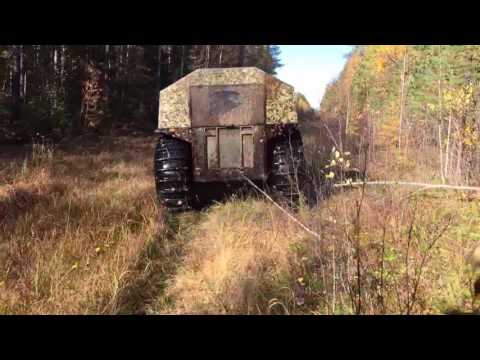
<point>220,192</point>
<point>159,262</point>
<point>164,253</point>
<point>21,201</point>
<point>461,312</point>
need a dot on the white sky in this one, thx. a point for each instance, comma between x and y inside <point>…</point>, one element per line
<point>309,68</point>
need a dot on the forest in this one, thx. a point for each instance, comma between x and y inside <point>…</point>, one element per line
<point>67,90</point>
<point>415,99</point>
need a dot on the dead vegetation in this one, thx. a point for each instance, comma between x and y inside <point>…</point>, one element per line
<point>73,227</point>
<point>80,233</point>
<point>402,255</point>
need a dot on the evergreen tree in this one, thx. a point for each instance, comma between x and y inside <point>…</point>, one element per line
<point>57,88</point>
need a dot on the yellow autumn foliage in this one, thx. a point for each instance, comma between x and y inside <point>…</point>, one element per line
<point>458,99</point>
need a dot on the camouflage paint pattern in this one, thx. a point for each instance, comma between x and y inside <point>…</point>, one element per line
<point>227,76</point>
<point>280,107</point>
<point>174,109</point>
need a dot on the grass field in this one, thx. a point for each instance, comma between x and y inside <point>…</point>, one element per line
<point>81,233</point>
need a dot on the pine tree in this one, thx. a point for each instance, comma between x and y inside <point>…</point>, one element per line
<point>57,88</point>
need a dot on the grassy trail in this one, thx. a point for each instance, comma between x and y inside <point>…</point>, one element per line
<point>81,233</point>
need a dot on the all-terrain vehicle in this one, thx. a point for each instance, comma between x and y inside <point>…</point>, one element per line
<point>225,125</point>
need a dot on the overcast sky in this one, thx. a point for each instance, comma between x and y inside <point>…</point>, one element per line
<point>309,68</point>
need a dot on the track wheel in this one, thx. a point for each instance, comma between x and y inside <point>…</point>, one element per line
<point>172,165</point>
<point>288,168</point>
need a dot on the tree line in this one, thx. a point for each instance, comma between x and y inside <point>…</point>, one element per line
<point>68,90</point>
<point>413,99</point>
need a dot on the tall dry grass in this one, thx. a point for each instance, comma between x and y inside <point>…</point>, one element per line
<point>80,233</point>
<point>405,254</point>
<point>74,226</point>
<point>240,260</point>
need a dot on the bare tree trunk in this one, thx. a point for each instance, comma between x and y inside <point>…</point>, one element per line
<point>447,149</point>
<point>17,83</point>
<point>440,129</point>
<point>220,56</point>
<point>372,141</point>
<point>459,174</point>
<point>159,67</point>
<point>24,93</point>
<point>340,135</point>
<point>460,150</point>
<point>62,64</point>
<point>169,58</point>
<point>207,56</point>
<point>241,55</point>
<point>348,113</point>
<point>106,78</point>
<point>5,81</point>
<point>22,75</point>
<point>10,77</point>
<point>402,93</point>
<point>406,136</point>
<point>441,151</point>
<point>182,61</point>
<point>24,78</point>
<point>55,77</point>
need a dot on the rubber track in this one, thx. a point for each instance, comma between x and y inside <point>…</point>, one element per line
<point>172,166</point>
<point>288,168</point>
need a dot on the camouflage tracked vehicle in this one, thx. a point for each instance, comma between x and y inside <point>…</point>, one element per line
<point>219,125</point>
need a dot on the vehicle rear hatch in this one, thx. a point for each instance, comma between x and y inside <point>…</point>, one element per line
<point>228,125</point>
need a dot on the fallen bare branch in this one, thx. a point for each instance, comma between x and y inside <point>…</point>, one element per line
<point>415,184</point>
<point>304,227</point>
